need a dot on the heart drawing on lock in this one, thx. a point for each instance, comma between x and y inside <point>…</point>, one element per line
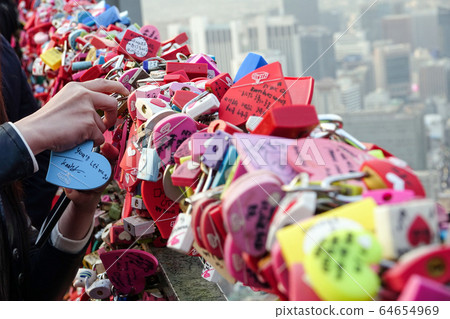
<point>127,269</point>
<point>419,232</point>
<point>79,168</point>
<point>137,46</point>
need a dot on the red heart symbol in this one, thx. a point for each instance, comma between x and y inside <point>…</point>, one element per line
<point>419,232</point>
<point>254,94</point>
<point>163,210</point>
<point>206,274</point>
<point>127,269</point>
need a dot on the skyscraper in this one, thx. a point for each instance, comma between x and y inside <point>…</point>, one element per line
<point>444,30</point>
<point>317,53</point>
<point>434,79</point>
<point>397,28</point>
<point>305,11</point>
<point>392,69</point>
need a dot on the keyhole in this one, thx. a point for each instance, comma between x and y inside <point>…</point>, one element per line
<point>144,109</point>
<point>387,197</point>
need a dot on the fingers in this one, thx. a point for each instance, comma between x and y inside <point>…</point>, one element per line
<point>97,137</point>
<point>107,104</point>
<point>99,122</point>
<point>105,86</point>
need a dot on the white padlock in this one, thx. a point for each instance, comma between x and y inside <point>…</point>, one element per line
<point>146,108</point>
<point>149,164</point>
<point>138,226</point>
<point>206,105</point>
<point>210,274</point>
<point>100,289</point>
<point>84,277</point>
<point>182,236</point>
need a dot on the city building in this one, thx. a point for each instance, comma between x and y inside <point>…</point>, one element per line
<point>351,46</point>
<point>306,12</point>
<point>317,53</point>
<point>444,30</point>
<point>399,132</point>
<point>397,28</point>
<point>425,30</point>
<point>392,69</point>
<point>434,79</point>
<point>350,94</point>
<point>327,97</point>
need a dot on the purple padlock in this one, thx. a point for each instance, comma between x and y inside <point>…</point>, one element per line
<point>261,152</point>
<point>248,206</point>
<point>198,145</point>
<point>216,148</point>
<point>170,133</point>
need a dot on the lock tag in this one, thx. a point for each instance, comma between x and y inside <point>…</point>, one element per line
<point>182,235</point>
<point>149,165</point>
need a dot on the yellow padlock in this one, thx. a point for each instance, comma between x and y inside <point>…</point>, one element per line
<point>52,58</point>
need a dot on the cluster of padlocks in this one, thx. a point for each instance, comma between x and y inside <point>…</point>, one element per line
<point>240,172</point>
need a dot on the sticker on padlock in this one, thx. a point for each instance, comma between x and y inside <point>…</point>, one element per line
<point>406,226</point>
<point>210,274</point>
<point>146,108</point>
<point>139,227</point>
<point>149,165</point>
<point>340,264</point>
<point>118,236</point>
<point>206,105</point>
<point>138,46</point>
<point>182,235</point>
<point>248,208</point>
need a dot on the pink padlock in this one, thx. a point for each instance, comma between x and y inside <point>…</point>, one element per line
<point>151,32</point>
<point>148,91</point>
<point>248,206</point>
<point>176,86</point>
<point>389,196</point>
<point>419,288</point>
<point>170,133</point>
<point>237,267</point>
<point>280,269</point>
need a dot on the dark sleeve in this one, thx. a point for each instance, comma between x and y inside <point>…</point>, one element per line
<point>16,162</point>
<point>52,272</point>
<point>19,103</point>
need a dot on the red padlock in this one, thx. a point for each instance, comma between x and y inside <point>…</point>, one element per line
<point>293,121</point>
<point>193,70</point>
<point>138,46</point>
<point>172,55</point>
<point>391,173</point>
<point>219,85</point>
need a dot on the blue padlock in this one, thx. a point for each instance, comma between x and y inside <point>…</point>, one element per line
<point>251,62</point>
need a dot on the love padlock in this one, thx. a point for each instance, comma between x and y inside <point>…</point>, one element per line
<point>405,226</point>
<point>139,227</point>
<point>182,235</point>
<point>138,46</point>
<point>219,85</point>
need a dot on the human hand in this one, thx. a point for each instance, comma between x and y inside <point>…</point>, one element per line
<point>70,117</point>
<point>83,203</point>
